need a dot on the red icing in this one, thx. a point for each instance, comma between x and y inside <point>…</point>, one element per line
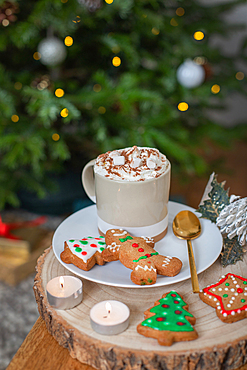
<point>228,312</point>
<point>173,295</point>
<point>148,255</point>
<point>135,245</point>
<point>140,250</point>
<point>76,245</point>
<point>161,319</point>
<point>180,323</point>
<point>178,312</point>
<point>93,245</point>
<point>176,302</point>
<point>84,253</point>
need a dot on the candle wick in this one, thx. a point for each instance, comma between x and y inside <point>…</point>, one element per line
<point>61,285</point>
<point>108,313</point>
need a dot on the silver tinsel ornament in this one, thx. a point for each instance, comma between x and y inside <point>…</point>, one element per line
<point>190,74</point>
<point>52,51</point>
<point>232,220</point>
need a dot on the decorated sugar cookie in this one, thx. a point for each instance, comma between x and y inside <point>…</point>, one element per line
<point>228,296</point>
<point>168,320</point>
<point>137,254</point>
<point>84,253</point>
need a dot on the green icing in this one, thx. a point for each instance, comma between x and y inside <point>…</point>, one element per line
<point>245,282</point>
<point>101,243</point>
<point>122,240</point>
<point>225,295</point>
<point>242,300</point>
<point>150,280</point>
<point>78,249</point>
<point>101,248</point>
<point>84,242</point>
<point>71,241</point>
<point>170,315</point>
<point>144,257</point>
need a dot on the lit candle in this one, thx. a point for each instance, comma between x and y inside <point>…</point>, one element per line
<point>109,317</point>
<point>64,292</point>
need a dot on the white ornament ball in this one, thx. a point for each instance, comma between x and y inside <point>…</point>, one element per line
<point>52,51</point>
<point>190,74</point>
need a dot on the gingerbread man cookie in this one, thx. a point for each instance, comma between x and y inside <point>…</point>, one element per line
<point>168,320</point>
<point>136,254</point>
<point>84,253</point>
<point>228,296</point>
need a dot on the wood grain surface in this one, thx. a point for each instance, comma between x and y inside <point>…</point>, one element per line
<point>219,346</point>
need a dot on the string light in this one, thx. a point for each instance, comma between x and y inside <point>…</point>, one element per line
<point>97,88</point>
<point>155,31</point>
<point>15,118</point>
<point>173,22</point>
<point>183,106</point>
<point>180,11</point>
<point>36,55</point>
<point>109,1</point>
<point>68,41</point>
<point>64,1</point>
<point>59,93</point>
<point>18,85</point>
<point>116,61</point>
<point>199,35</point>
<point>101,110</point>
<point>55,137</point>
<point>239,76</point>
<point>215,89</point>
<point>64,112</point>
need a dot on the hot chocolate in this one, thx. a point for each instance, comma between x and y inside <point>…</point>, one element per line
<point>131,164</point>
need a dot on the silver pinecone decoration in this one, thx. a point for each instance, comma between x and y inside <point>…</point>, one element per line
<point>232,220</point>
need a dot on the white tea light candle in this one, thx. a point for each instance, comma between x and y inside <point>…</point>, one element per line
<point>64,292</point>
<point>109,317</point>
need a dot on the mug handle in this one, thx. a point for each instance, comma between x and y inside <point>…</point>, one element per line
<point>88,180</point>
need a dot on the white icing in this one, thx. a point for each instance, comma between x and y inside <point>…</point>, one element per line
<point>123,233</point>
<point>145,268</point>
<point>114,247</point>
<point>90,251</point>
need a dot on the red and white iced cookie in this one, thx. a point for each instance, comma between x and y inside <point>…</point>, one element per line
<point>84,253</point>
<point>228,296</point>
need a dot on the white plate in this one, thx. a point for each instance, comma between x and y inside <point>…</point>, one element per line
<point>83,223</point>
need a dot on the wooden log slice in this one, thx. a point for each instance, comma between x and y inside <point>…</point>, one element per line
<point>219,346</point>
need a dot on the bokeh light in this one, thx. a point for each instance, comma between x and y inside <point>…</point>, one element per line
<point>239,76</point>
<point>199,35</point>
<point>15,118</point>
<point>215,89</point>
<point>101,110</point>
<point>36,55</point>
<point>173,22</point>
<point>109,1</point>
<point>180,11</point>
<point>183,106</point>
<point>55,137</point>
<point>116,61</point>
<point>64,112</point>
<point>18,85</point>
<point>59,93</point>
<point>97,87</point>
<point>155,31</point>
<point>68,41</point>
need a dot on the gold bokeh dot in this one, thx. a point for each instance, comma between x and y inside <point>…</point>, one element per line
<point>116,61</point>
<point>199,35</point>
<point>101,110</point>
<point>97,87</point>
<point>18,85</point>
<point>68,41</point>
<point>64,112</point>
<point>215,89</point>
<point>109,1</point>
<point>173,22</point>
<point>155,31</point>
<point>59,93</point>
<point>36,55</point>
<point>239,76</point>
<point>180,11</point>
<point>55,137</point>
<point>15,118</point>
<point>183,106</point>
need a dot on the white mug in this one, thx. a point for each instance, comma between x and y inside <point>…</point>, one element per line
<point>140,207</point>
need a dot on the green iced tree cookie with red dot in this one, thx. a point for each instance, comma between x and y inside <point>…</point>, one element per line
<point>168,320</point>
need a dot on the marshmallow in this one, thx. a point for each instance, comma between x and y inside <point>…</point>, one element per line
<point>151,164</point>
<point>119,160</point>
<point>135,162</point>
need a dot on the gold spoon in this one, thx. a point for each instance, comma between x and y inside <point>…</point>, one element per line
<point>186,225</point>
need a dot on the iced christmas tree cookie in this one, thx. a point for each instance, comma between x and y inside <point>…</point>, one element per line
<point>84,253</point>
<point>168,320</point>
<point>228,296</point>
